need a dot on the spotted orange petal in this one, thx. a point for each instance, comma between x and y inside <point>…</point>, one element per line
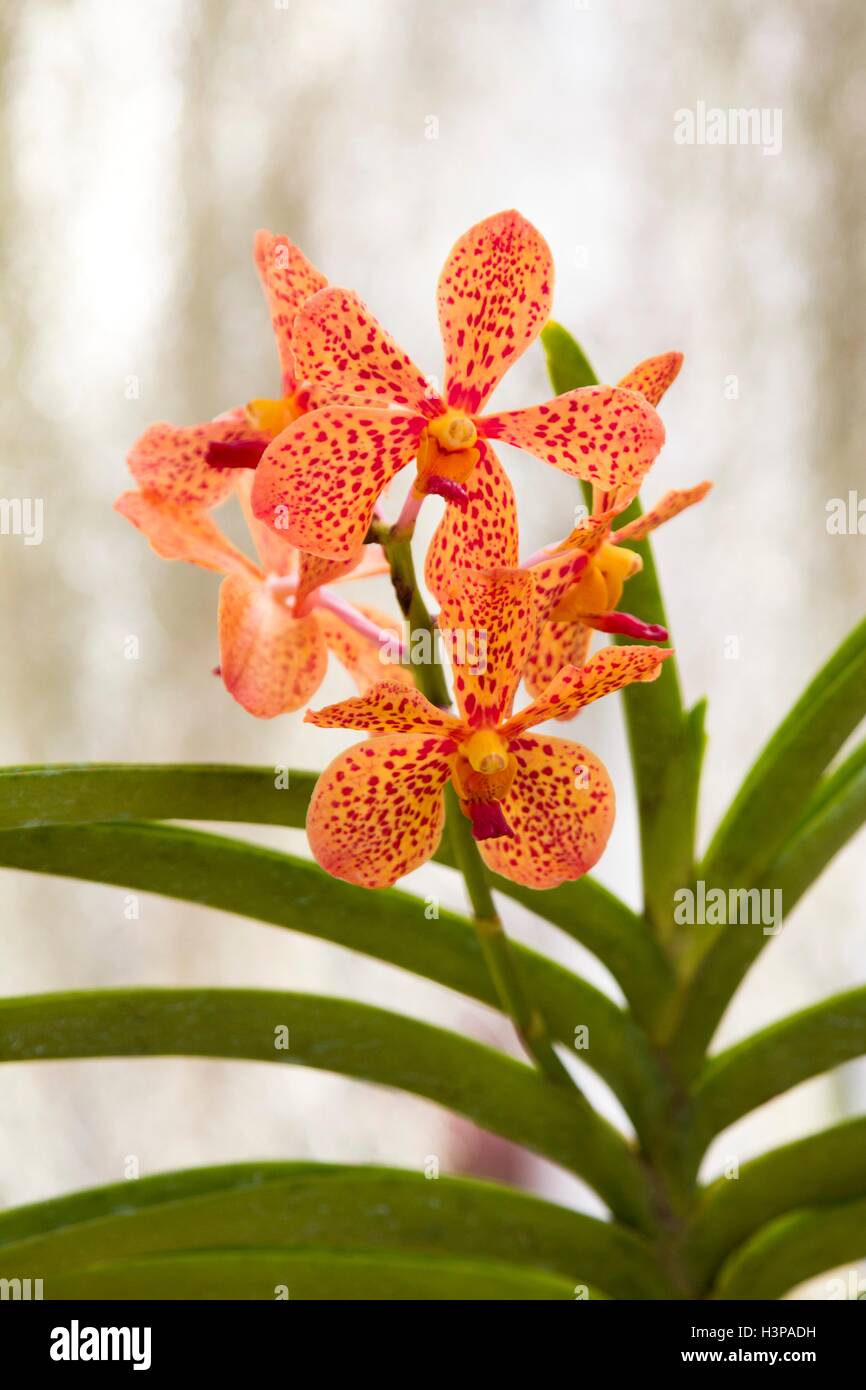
<point>362,658</point>
<point>341,347</point>
<point>602,434</point>
<point>180,533</point>
<point>318,482</point>
<point>271,662</point>
<point>494,298</point>
<point>558,645</point>
<point>607,670</point>
<point>170,461</point>
<point>653,377</point>
<point>560,807</point>
<point>389,707</point>
<point>552,579</point>
<point>482,537</point>
<point>288,280</point>
<point>377,811</point>
<point>670,506</point>
<point>488,624</point>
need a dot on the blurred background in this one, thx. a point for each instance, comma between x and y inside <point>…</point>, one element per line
<point>142,146</point>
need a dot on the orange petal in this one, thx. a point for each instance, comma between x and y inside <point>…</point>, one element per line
<point>277,555</point>
<point>377,810</point>
<point>553,578</point>
<point>560,807</point>
<point>341,347</point>
<point>361,657</point>
<point>389,707</point>
<point>288,280</point>
<point>494,298</point>
<point>270,661</point>
<point>653,377</point>
<point>315,571</point>
<point>318,482</point>
<point>484,536</point>
<point>180,533</point>
<point>670,506</point>
<point>170,461</point>
<point>488,622</point>
<point>609,669</point>
<point>558,645</point>
<point>602,434</point>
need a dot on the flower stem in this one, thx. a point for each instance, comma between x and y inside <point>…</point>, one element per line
<point>529,1023</point>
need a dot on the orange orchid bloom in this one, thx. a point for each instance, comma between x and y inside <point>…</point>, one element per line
<point>573,599</point>
<point>541,808</point>
<point>194,465</point>
<point>326,470</point>
<point>278,618</point>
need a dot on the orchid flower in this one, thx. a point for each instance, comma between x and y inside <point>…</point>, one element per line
<point>279,618</point>
<point>194,465</point>
<point>322,476</point>
<point>572,599</point>
<point>541,808</point>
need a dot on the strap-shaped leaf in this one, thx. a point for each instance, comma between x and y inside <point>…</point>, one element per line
<point>342,1036</point>
<point>795,1248</point>
<point>326,1206</point>
<point>776,1058</point>
<point>835,812</point>
<point>264,884</point>
<point>666,745</point>
<point>823,1167</point>
<point>776,791</point>
<point>319,1275</point>
<point>65,794</point>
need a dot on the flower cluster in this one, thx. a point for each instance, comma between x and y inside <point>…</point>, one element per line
<point>309,469</point>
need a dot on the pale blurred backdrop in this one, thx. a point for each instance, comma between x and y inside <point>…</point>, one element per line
<point>144,141</point>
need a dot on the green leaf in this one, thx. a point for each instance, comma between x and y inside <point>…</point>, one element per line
<point>773,1060</point>
<point>320,1275</point>
<point>823,1167</point>
<point>341,1036</point>
<point>277,888</point>
<point>324,1206</point>
<point>776,791</point>
<point>835,812</point>
<point>795,1248</point>
<point>666,744</point>
<point>31,797</point>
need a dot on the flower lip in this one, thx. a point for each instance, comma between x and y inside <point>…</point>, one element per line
<point>452,491</point>
<point>488,820</point>
<point>238,453</point>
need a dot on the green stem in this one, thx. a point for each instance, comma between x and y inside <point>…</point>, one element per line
<point>529,1023</point>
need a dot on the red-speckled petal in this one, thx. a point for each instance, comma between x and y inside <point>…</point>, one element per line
<point>271,662</point>
<point>319,481</point>
<point>484,536</point>
<point>361,656</point>
<point>390,707</point>
<point>558,645</point>
<point>602,434</point>
<point>653,377</point>
<point>315,571</point>
<point>554,577</point>
<point>170,461</point>
<point>488,625</point>
<point>560,807</point>
<point>277,555</point>
<point>377,810</point>
<point>494,298</point>
<point>288,280</point>
<point>343,349</point>
<point>179,533</point>
<point>609,669</point>
<point>670,506</point>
